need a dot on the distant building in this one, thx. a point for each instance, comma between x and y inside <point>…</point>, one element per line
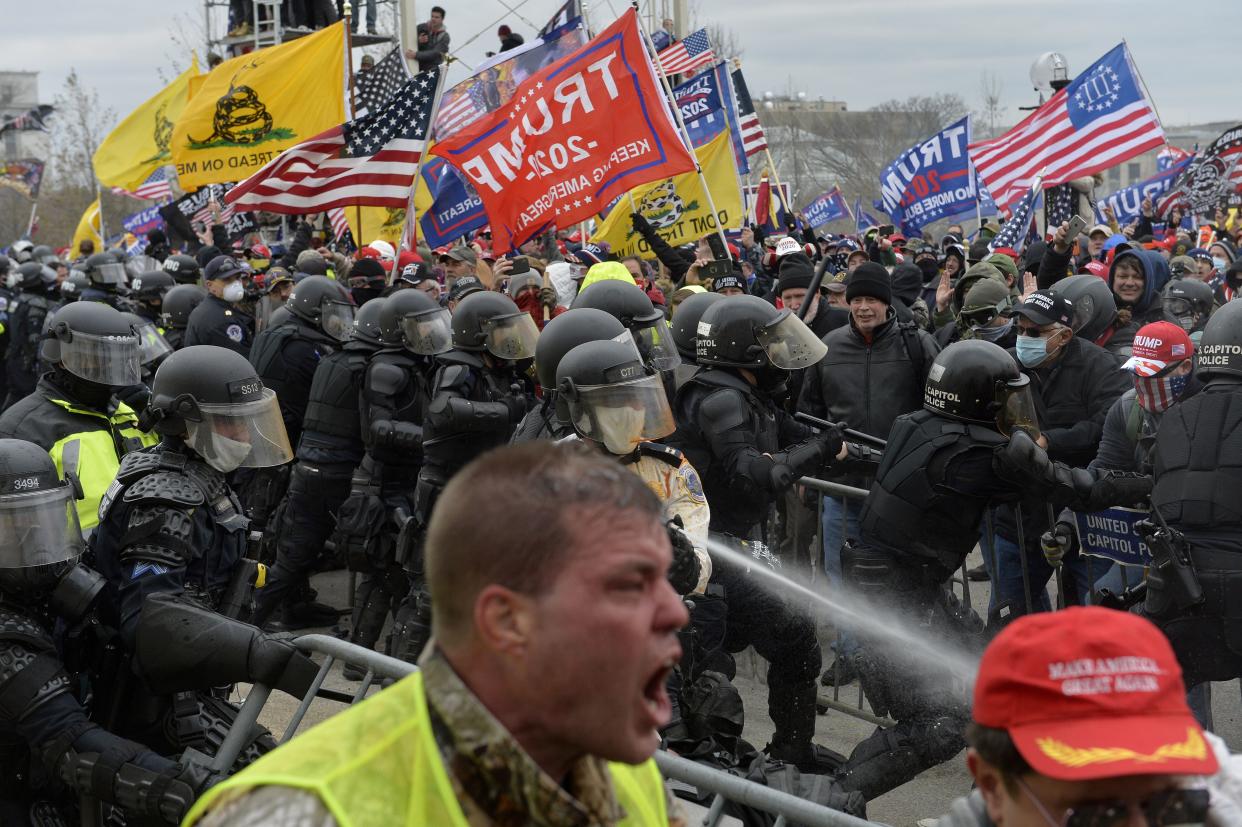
<point>19,92</point>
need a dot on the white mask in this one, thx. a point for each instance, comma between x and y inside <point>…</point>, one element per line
<point>620,428</point>
<point>220,452</point>
<point>233,292</point>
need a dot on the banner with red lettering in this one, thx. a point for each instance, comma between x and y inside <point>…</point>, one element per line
<point>575,135</point>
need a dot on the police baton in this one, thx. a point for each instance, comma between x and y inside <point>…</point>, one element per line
<point>813,289</point>
<point>856,436</point>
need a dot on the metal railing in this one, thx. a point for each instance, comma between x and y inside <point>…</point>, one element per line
<point>721,787</point>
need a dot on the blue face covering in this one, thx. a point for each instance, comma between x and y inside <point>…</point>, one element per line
<point>1031,351</point>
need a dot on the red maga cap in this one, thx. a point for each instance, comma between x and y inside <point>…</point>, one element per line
<point>1090,693</point>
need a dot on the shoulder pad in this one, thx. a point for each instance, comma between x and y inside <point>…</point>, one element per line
<point>166,487</point>
<point>386,379</point>
<point>724,410</point>
<point>19,628</point>
<point>137,464</point>
<point>452,376</point>
<point>666,453</point>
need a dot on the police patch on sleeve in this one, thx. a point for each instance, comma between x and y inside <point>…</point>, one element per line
<point>234,332</point>
<point>690,481</point>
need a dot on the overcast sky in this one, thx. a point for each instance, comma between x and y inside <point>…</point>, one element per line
<point>859,52</point>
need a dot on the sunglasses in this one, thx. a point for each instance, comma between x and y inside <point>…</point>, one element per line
<point>1035,332</point>
<point>1171,808</point>
<point>982,316</point>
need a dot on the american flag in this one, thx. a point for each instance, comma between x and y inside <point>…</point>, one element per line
<point>340,224</point>
<point>463,104</point>
<point>369,160</point>
<point>203,216</point>
<point>155,188</point>
<point>1098,121</point>
<point>753,139</point>
<point>377,85</point>
<point>1060,204</point>
<point>32,119</point>
<point>688,54</point>
<point>1014,234</point>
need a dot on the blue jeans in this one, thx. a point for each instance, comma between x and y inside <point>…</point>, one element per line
<point>1007,579</point>
<point>840,522</point>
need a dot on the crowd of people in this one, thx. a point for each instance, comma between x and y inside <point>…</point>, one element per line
<point>535,462</point>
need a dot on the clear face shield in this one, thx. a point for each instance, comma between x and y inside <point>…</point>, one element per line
<point>337,320</point>
<point>110,273</point>
<point>429,332</point>
<point>623,414</point>
<point>1180,312</point>
<point>511,337</point>
<point>790,344</point>
<point>1017,408</point>
<point>104,360</point>
<point>39,529</point>
<point>241,435</point>
<point>137,265</point>
<point>152,346</point>
<point>655,344</point>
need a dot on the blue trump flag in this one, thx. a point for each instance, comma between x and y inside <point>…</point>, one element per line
<point>863,219</point>
<point>828,207</point>
<point>456,208</point>
<point>930,180</point>
<point>1127,203</point>
<point>707,106</point>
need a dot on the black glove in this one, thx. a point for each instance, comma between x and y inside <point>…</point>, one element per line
<point>640,222</point>
<point>831,440</point>
<point>683,573</point>
<point>1056,543</point>
<point>1022,454</point>
<point>517,405</point>
<point>278,664</point>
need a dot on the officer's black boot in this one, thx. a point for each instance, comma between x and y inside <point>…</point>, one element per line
<point>370,611</point>
<point>889,758</point>
<point>792,709</point>
<point>411,629</point>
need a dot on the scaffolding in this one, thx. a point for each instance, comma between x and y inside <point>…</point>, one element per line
<point>228,37</point>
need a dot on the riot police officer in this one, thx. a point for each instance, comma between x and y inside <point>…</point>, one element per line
<point>1188,304</point>
<point>627,303</point>
<point>1196,570</point>
<point>108,277</point>
<point>147,291</point>
<point>550,419</point>
<point>376,525</point>
<point>184,269</point>
<point>477,398</point>
<point>36,287</point>
<point>972,446</point>
<point>93,351</point>
<point>49,738</point>
<point>330,449</point>
<point>178,304</point>
<point>685,333</point>
<point>749,451</point>
<point>218,320</point>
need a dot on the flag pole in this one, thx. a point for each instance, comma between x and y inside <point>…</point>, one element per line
<point>30,224</point>
<point>767,153</point>
<point>347,22</point>
<point>681,125</point>
<point>418,170</point>
<point>103,235</point>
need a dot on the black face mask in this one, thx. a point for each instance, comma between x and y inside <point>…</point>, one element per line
<point>362,295</point>
<point>773,381</point>
<point>930,268</point>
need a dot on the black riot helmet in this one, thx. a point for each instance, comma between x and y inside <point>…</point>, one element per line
<point>613,398</point>
<point>179,302</point>
<point>43,254</point>
<point>33,277</point>
<point>94,342</point>
<point>212,398</point>
<point>977,381</point>
<point>627,303</point>
<point>367,322</point>
<point>1095,308</point>
<point>73,285</point>
<point>1187,303</point>
<point>40,538</point>
<point>325,304</point>
<point>415,321</point>
<point>152,346</point>
<point>567,331</point>
<point>491,322</point>
<point>150,287</point>
<point>1220,349</point>
<point>184,269</point>
<point>105,271</point>
<point>748,332</point>
<point>686,323</point>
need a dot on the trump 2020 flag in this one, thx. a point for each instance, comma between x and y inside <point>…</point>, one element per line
<point>930,180</point>
<point>575,135</point>
<point>1127,203</point>
<point>828,207</point>
<point>1098,121</point>
<point>863,219</point>
<point>457,208</point>
<point>1014,234</point>
<point>707,106</point>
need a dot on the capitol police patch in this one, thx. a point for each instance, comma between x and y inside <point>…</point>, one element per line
<point>690,481</point>
<point>234,332</point>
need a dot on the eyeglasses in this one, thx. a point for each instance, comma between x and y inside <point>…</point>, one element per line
<point>1170,808</point>
<point>1035,332</point>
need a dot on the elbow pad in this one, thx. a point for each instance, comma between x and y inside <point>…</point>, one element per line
<point>402,436</point>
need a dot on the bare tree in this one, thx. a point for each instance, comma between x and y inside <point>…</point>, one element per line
<point>80,124</point>
<point>990,91</point>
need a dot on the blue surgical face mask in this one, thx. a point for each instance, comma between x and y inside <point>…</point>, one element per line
<point>1032,351</point>
<point>1220,264</point>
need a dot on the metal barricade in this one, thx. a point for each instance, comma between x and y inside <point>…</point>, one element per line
<point>721,786</point>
